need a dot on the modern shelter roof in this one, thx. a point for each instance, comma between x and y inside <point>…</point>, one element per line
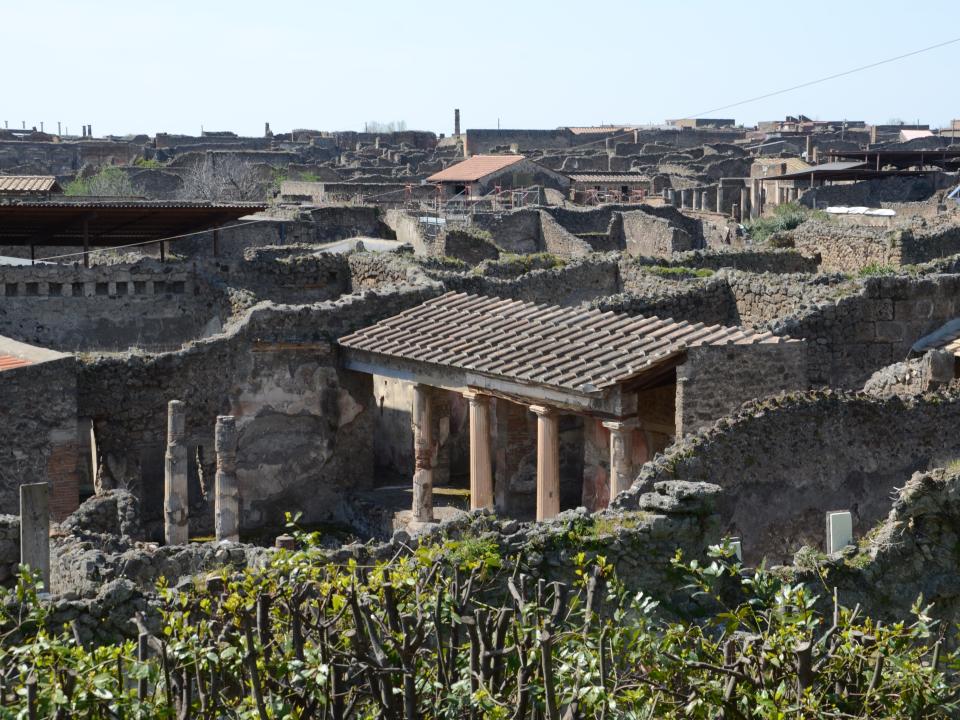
<point>111,223</point>
<point>28,184</point>
<point>574,349</point>
<point>474,168</point>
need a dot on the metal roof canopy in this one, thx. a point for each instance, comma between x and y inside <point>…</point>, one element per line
<point>901,158</point>
<point>106,223</point>
<point>842,171</point>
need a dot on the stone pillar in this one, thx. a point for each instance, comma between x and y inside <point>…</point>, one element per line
<point>481,469</point>
<point>35,529</point>
<point>704,202</point>
<point>175,502</point>
<point>423,454</point>
<point>227,493</point>
<point>720,199</point>
<point>548,462</point>
<point>744,203</point>
<point>685,199</point>
<point>621,452</point>
<point>671,196</point>
<point>809,148</point>
<point>696,199</point>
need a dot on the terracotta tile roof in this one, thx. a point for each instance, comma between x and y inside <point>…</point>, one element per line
<point>474,168</point>
<point>598,129</point>
<point>612,177</point>
<point>571,348</point>
<point>28,184</point>
<point>9,362</point>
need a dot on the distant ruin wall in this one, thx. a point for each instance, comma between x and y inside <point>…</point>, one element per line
<point>770,461</point>
<point>109,307</point>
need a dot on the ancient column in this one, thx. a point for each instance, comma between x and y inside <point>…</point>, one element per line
<point>481,469</point>
<point>744,203</point>
<point>719,199</point>
<point>704,203</point>
<point>696,199</point>
<point>621,451</point>
<point>175,502</point>
<point>548,462</point>
<point>423,454</point>
<point>35,529</point>
<point>227,493</point>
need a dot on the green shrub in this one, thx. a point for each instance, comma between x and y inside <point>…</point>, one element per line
<point>458,628</point>
<point>145,163</point>
<point>876,270</point>
<point>785,217</point>
<point>109,182</point>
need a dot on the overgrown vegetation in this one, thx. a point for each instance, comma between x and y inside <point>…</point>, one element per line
<point>785,217</point>
<point>151,163</point>
<point>109,182</point>
<point>456,630</point>
<point>876,270</point>
<point>676,272</point>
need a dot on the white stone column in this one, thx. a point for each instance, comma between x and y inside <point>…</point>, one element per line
<point>481,468</point>
<point>621,451</point>
<point>548,462</point>
<point>227,492</point>
<point>175,502</point>
<point>35,529</point>
<point>421,418</point>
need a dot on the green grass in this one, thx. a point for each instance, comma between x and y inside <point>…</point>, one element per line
<point>876,270</point>
<point>677,272</point>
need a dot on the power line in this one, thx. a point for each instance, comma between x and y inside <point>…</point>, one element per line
<point>825,79</point>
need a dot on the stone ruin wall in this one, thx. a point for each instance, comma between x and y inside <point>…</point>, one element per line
<point>769,461</point>
<point>303,427</point>
<point>38,433</point>
<point>107,306</point>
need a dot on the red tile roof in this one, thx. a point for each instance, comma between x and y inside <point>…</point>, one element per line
<point>570,348</point>
<point>475,168</point>
<point>9,362</point>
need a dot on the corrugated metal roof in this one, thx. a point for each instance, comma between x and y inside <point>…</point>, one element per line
<point>28,184</point>
<point>570,348</point>
<point>9,362</point>
<point>947,337</point>
<point>474,168</point>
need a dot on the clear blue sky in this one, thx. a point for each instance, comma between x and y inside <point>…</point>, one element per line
<point>133,66</point>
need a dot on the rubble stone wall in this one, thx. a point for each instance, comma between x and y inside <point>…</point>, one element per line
<point>769,459</point>
<point>716,380</point>
<point>38,433</point>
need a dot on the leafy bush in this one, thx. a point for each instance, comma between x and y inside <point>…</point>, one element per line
<point>455,630</point>
<point>145,163</point>
<point>785,217</point>
<point>109,182</point>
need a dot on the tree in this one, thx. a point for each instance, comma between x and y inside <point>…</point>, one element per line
<point>222,178</point>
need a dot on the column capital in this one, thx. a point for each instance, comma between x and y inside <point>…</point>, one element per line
<point>475,396</point>
<point>621,424</point>
<point>544,410</point>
